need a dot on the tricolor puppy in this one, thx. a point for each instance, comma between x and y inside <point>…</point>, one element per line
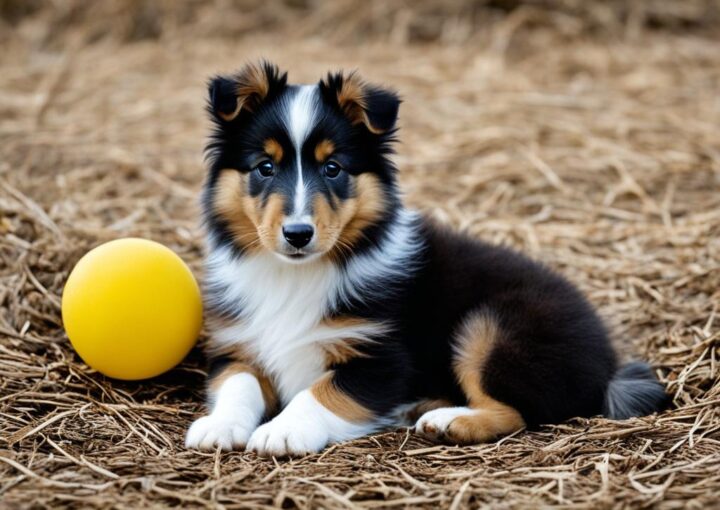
<point>335,312</point>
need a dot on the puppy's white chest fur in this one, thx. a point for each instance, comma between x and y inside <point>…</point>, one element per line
<point>281,311</point>
<point>281,306</point>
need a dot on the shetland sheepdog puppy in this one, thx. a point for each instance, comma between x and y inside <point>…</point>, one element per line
<point>334,312</point>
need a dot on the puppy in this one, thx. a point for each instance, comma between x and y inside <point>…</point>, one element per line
<point>334,312</point>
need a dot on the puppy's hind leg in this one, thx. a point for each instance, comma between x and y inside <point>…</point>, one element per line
<point>484,418</point>
<point>469,425</point>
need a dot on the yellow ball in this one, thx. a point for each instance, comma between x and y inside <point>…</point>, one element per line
<point>132,309</point>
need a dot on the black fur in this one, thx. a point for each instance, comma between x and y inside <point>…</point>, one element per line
<point>634,391</point>
<point>381,105</point>
<point>237,144</point>
<point>552,360</point>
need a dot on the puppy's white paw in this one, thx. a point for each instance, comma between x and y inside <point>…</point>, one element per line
<point>283,437</point>
<point>209,432</point>
<point>435,424</point>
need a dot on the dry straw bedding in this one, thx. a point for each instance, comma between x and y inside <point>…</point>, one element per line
<point>585,136</point>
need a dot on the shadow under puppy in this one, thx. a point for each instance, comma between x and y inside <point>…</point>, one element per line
<point>335,312</point>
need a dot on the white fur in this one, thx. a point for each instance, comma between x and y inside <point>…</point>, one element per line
<point>235,411</point>
<point>395,258</point>
<point>300,121</point>
<point>282,305</point>
<point>304,426</point>
<point>436,422</point>
<point>279,320</point>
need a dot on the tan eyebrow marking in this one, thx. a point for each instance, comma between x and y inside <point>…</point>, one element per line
<point>273,149</point>
<point>323,150</point>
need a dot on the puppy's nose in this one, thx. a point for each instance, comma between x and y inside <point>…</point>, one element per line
<point>298,234</point>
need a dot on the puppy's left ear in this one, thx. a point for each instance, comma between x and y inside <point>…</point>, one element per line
<point>373,106</point>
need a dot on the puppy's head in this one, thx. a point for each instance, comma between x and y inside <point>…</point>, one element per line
<point>299,170</point>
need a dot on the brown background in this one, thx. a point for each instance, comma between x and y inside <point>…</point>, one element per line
<point>585,133</point>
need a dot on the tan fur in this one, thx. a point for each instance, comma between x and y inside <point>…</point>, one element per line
<point>271,218</point>
<point>474,341</point>
<point>251,224</point>
<point>341,352</point>
<point>345,349</point>
<point>369,208</point>
<point>240,366</point>
<point>230,116</point>
<point>253,86</point>
<point>273,149</point>
<point>253,81</point>
<point>493,418</point>
<point>344,321</point>
<point>352,92</point>
<point>351,98</point>
<point>323,150</point>
<point>338,229</point>
<point>236,208</point>
<point>327,222</point>
<point>338,402</point>
<point>491,421</point>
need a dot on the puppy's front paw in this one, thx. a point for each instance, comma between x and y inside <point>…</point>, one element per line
<point>283,437</point>
<point>209,432</point>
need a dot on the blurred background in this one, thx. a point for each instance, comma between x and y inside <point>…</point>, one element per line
<point>533,123</point>
<point>584,132</point>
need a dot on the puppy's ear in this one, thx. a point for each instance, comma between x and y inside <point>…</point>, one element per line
<point>245,90</point>
<point>361,102</point>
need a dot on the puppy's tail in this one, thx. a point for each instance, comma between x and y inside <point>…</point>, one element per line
<point>634,391</point>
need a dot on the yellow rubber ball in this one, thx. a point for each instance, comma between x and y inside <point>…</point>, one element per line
<point>132,309</point>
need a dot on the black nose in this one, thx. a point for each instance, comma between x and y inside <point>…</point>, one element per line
<point>298,234</point>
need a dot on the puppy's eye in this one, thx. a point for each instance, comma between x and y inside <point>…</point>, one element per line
<point>331,169</point>
<point>265,168</point>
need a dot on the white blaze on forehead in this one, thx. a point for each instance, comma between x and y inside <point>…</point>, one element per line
<point>302,109</point>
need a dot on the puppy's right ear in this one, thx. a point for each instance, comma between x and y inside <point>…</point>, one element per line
<point>245,90</point>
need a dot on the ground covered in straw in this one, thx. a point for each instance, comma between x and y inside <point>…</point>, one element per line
<point>587,137</point>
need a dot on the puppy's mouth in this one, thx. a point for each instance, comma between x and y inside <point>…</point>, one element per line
<point>297,256</point>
